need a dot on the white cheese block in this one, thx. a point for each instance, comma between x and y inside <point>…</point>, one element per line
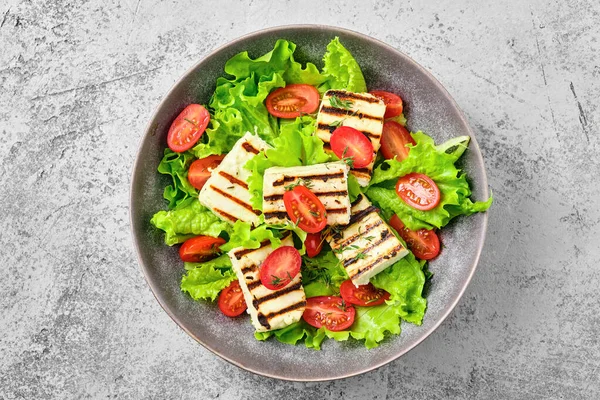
<point>226,191</point>
<point>366,246</point>
<point>268,309</point>
<point>329,182</point>
<point>364,112</point>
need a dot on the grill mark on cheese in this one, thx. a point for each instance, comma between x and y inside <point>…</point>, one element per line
<point>277,197</point>
<point>225,215</point>
<point>362,170</point>
<point>300,304</point>
<point>351,239</point>
<point>249,148</point>
<point>350,95</point>
<point>337,210</point>
<point>276,214</point>
<point>257,302</point>
<point>340,112</point>
<point>254,284</point>
<point>326,145</point>
<point>233,179</point>
<point>235,200</point>
<point>250,268</point>
<point>385,235</point>
<point>330,129</point>
<point>362,214</point>
<point>322,177</point>
<point>391,254</point>
<point>263,320</point>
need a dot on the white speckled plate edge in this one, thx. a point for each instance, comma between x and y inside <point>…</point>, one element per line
<point>429,108</point>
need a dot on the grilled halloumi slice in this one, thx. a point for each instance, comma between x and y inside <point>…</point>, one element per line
<point>361,111</point>
<point>366,246</point>
<point>268,309</point>
<point>226,191</point>
<point>328,181</point>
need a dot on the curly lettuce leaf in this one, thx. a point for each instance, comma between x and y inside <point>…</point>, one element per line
<point>295,146</point>
<point>424,158</point>
<point>189,219</point>
<point>176,165</point>
<point>205,280</point>
<point>322,275</point>
<point>341,69</point>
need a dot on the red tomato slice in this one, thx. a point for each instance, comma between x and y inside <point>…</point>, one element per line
<point>314,244</point>
<point>280,267</point>
<point>418,191</point>
<point>364,295</point>
<point>201,169</point>
<point>424,243</point>
<point>293,100</point>
<point>329,311</point>
<point>187,128</point>
<point>393,103</point>
<point>200,248</point>
<point>349,142</point>
<point>394,139</point>
<point>231,300</point>
<point>305,209</point>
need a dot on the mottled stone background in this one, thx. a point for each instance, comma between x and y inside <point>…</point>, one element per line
<point>79,80</point>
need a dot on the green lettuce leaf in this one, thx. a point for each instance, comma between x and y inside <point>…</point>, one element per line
<point>341,69</point>
<point>176,165</point>
<point>322,275</point>
<point>439,166</point>
<point>189,219</point>
<point>295,146</point>
<point>205,280</point>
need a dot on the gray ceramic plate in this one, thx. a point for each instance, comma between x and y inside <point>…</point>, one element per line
<point>429,108</point>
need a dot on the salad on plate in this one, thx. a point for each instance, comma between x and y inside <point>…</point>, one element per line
<point>299,197</point>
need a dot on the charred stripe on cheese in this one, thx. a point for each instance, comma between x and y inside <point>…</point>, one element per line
<point>224,214</point>
<point>332,128</point>
<point>235,200</point>
<point>357,236</point>
<point>264,319</point>
<point>367,268</point>
<point>233,179</point>
<point>249,148</point>
<point>343,95</point>
<point>275,197</point>
<point>385,235</point>
<point>276,294</point>
<point>322,177</point>
<point>241,253</point>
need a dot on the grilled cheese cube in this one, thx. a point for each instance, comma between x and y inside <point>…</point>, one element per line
<point>268,309</point>
<point>361,111</point>
<point>226,191</point>
<point>366,246</point>
<point>329,182</point>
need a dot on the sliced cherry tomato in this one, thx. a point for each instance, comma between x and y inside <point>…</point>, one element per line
<point>349,142</point>
<point>394,139</point>
<point>314,244</point>
<point>280,267</point>
<point>393,103</point>
<point>418,191</point>
<point>424,243</point>
<point>305,209</point>
<point>293,100</point>
<point>200,248</point>
<point>231,300</point>
<point>364,295</point>
<point>201,169</point>
<point>187,128</point>
<point>329,311</point>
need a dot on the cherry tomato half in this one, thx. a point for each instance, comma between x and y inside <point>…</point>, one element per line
<point>231,300</point>
<point>394,139</point>
<point>200,248</point>
<point>293,100</point>
<point>280,267</point>
<point>418,191</point>
<point>393,103</point>
<point>201,169</point>
<point>329,311</point>
<point>424,243</point>
<point>304,208</point>
<point>349,142</point>
<point>187,128</point>
<point>314,244</point>
<point>364,295</point>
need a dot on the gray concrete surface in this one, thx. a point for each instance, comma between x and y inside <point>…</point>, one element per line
<point>78,81</point>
